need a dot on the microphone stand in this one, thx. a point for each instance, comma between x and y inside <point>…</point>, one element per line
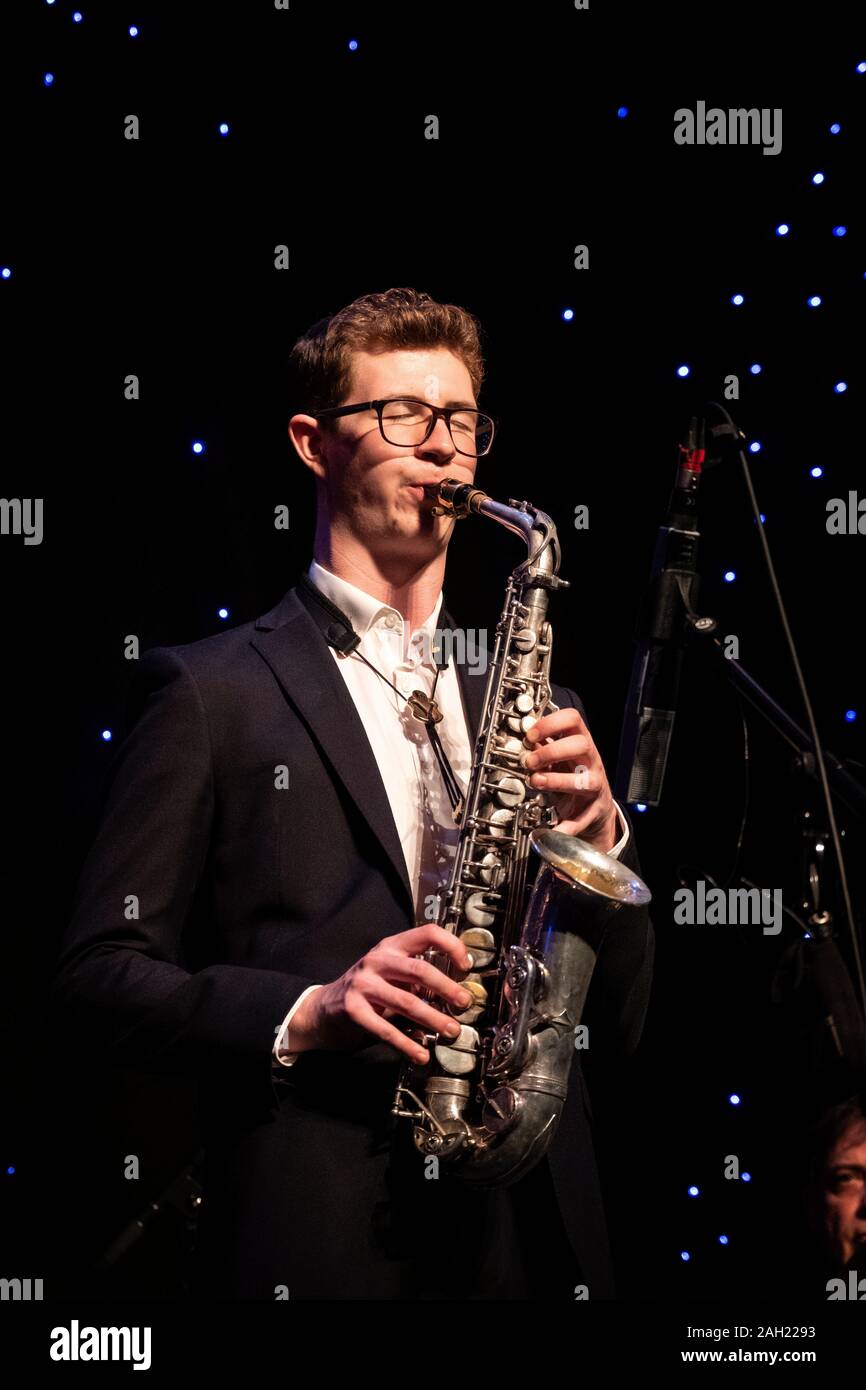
<point>823,766</point>
<point>671,623</point>
<point>849,790</point>
<point>183,1195</point>
<point>840,1009</point>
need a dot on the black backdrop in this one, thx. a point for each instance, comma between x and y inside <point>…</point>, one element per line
<point>156,257</point>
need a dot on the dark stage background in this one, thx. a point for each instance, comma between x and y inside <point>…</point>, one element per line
<point>156,257</point>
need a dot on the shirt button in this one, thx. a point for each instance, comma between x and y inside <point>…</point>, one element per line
<point>391,620</point>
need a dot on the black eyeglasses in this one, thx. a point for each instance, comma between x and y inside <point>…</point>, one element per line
<point>411,422</point>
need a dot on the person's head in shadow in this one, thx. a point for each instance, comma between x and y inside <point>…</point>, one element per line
<point>836,1187</point>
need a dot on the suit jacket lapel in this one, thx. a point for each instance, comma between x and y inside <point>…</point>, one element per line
<point>291,640</point>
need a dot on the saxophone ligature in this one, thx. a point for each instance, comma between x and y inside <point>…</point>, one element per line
<point>488,1102</point>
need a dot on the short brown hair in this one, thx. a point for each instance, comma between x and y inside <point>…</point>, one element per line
<point>320,361</point>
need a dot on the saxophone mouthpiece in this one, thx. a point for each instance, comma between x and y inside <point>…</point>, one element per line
<point>431,490</point>
<point>453,498</point>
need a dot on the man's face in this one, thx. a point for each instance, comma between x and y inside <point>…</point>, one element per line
<point>368,482</point>
<point>843,1198</point>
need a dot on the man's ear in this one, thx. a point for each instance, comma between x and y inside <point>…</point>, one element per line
<point>306,434</point>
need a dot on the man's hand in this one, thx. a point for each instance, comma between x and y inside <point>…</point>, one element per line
<point>570,767</point>
<point>343,1014</point>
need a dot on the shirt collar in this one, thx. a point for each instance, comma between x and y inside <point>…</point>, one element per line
<point>361,608</point>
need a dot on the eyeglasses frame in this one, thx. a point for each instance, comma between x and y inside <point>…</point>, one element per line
<point>438,410</point>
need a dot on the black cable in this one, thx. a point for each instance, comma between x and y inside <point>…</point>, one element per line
<point>807,704</point>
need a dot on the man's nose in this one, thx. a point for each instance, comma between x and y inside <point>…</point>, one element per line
<point>440,441</point>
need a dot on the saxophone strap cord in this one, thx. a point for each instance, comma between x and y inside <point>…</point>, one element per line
<point>425,709</point>
<point>422,706</point>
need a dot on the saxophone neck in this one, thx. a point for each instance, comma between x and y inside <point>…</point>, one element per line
<point>537,529</point>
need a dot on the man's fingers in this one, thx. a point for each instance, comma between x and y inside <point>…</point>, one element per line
<point>381,1028</point>
<point>584,785</point>
<point>419,939</point>
<point>415,1009</point>
<point>556,723</point>
<point>575,746</point>
<point>417,974</point>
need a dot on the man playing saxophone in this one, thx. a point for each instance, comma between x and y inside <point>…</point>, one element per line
<point>285,919</point>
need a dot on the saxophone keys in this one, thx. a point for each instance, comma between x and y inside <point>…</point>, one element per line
<point>481,945</point>
<point>476,911</point>
<point>510,744</point>
<point>523,756</point>
<point>521,706</point>
<point>500,1109</point>
<point>479,1000</point>
<point>491,870</point>
<point>509,791</point>
<point>499,820</point>
<point>458,1057</point>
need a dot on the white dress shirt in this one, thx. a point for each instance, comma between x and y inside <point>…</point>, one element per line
<point>400,743</point>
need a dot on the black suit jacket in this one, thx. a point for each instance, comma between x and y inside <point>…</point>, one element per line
<point>212,897</point>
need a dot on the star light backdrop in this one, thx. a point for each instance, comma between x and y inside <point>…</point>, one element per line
<point>260,127</point>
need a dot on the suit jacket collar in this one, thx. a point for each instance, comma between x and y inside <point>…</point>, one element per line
<point>291,639</point>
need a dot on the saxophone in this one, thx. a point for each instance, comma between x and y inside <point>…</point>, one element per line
<point>488,1102</point>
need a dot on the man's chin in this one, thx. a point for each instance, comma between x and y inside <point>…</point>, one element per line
<point>423,526</point>
<point>420,543</point>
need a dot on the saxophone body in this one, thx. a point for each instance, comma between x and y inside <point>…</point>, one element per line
<point>488,1102</point>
